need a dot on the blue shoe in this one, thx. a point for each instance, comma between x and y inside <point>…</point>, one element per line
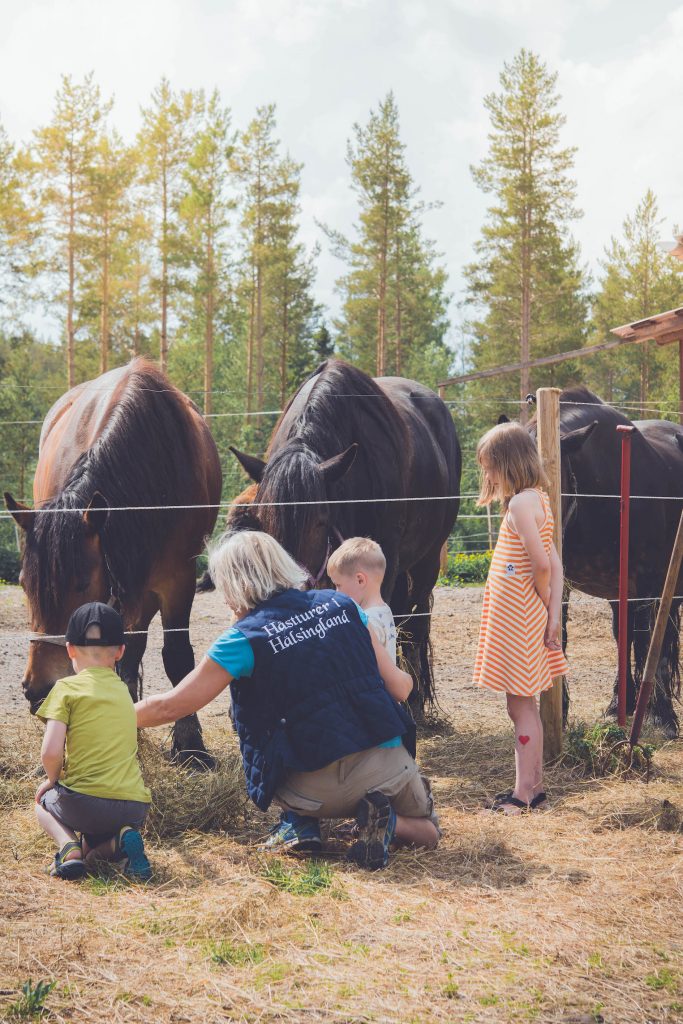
<point>295,832</point>
<point>376,820</point>
<point>131,847</point>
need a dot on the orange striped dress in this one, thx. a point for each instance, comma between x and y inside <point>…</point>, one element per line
<point>511,656</point>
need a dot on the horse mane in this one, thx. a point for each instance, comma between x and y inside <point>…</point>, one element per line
<point>343,407</point>
<point>589,407</point>
<point>148,407</point>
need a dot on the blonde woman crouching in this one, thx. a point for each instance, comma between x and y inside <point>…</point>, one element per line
<point>315,700</point>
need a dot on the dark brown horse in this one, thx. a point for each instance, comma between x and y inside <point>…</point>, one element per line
<point>347,438</point>
<point>127,439</point>
<point>591,465</point>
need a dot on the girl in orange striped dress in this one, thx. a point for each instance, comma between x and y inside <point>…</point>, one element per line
<point>519,649</point>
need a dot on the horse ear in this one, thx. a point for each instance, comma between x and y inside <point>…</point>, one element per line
<point>21,514</point>
<point>502,419</point>
<point>338,466</point>
<point>95,516</point>
<point>252,466</point>
<point>575,439</point>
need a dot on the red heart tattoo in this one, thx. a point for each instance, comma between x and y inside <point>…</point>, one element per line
<point>524,740</point>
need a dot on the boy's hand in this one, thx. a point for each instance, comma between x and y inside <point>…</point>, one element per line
<point>551,638</point>
<point>43,788</point>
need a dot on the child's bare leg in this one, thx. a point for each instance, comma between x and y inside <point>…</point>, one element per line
<point>103,851</point>
<point>60,833</point>
<point>528,746</point>
<point>416,832</point>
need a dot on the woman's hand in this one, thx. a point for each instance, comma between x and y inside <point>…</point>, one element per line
<point>551,638</point>
<point>43,788</point>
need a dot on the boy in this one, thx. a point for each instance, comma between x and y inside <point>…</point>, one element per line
<point>98,789</point>
<point>357,568</point>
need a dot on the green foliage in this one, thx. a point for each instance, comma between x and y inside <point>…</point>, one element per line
<point>315,877</point>
<point>236,954</point>
<point>603,749</point>
<point>32,1000</point>
<point>638,281</point>
<point>662,978</point>
<point>463,568</point>
<point>10,564</point>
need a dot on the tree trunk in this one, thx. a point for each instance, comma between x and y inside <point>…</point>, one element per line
<point>208,340</point>
<point>70,341</point>
<point>250,339</point>
<point>524,346</point>
<point>104,312</point>
<point>399,312</point>
<point>283,349</point>
<point>163,341</point>
<point>382,311</point>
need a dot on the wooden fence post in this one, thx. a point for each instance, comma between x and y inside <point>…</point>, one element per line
<point>548,439</point>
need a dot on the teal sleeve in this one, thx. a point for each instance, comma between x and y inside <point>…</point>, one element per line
<point>363,617</point>
<point>232,651</point>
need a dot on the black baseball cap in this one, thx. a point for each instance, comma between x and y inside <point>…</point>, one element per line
<point>95,614</point>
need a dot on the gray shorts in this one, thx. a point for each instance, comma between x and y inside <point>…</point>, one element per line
<point>334,791</point>
<point>95,817</point>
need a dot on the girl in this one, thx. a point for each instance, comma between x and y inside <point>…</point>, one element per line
<point>519,649</point>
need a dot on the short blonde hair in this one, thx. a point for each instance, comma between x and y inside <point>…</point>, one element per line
<point>511,451</point>
<point>357,554</point>
<point>248,567</point>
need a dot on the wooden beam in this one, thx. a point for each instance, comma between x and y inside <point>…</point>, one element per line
<point>558,357</point>
<point>548,434</point>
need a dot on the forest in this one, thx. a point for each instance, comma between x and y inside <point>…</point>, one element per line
<point>183,244</point>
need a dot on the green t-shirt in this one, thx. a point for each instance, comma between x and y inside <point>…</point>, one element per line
<point>101,735</point>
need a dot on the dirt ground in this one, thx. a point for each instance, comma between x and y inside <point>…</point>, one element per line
<point>573,915</point>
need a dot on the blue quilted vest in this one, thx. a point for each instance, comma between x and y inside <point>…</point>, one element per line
<point>315,694</point>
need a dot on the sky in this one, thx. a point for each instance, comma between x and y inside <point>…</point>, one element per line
<point>327,63</point>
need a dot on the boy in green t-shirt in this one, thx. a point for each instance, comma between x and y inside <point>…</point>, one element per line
<point>97,790</point>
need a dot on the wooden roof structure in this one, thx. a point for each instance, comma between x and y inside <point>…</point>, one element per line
<point>664,328</point>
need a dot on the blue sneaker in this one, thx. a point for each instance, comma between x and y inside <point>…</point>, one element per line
<point>295,832</point>
<point>131,848</point>
<point>376,820</point>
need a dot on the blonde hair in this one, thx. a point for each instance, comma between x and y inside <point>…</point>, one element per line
<point>357,554</point>
<point>510,450</point>
<point>248,567</point>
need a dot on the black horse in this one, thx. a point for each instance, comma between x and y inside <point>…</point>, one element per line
<point>591,464</point>
<point>347,438</point>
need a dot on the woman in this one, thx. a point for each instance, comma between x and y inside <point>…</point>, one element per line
<point>315,698</point>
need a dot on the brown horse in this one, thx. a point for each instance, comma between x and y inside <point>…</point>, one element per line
<point>129,439</point>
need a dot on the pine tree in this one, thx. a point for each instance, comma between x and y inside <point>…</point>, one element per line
<point>66,152</point>
<point>394,302</point>
<point>639,281</point>
<point>526,282</point>
<point>20,220</point>
<point>277,274</point>
<point>204,214</point>
<point>108,222</point>
<point>164,144</point>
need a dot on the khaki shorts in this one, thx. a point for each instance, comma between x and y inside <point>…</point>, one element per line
<point>334,791</point>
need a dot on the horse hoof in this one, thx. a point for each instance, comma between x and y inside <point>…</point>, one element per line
<point>194,760</point>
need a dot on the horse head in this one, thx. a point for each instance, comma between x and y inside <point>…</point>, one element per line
<point>292,501</point>
<point>63,566</point>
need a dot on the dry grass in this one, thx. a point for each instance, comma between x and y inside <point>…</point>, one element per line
<point>572,915</point>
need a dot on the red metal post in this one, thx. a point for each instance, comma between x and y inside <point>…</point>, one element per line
<point>680,380</point>
<point>624,510</point>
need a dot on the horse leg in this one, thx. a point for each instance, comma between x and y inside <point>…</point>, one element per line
<point>130,666</point>
<point>178,657</point>
<point>667,675</point>
<point>612,709</point>
<point>417,647</point>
